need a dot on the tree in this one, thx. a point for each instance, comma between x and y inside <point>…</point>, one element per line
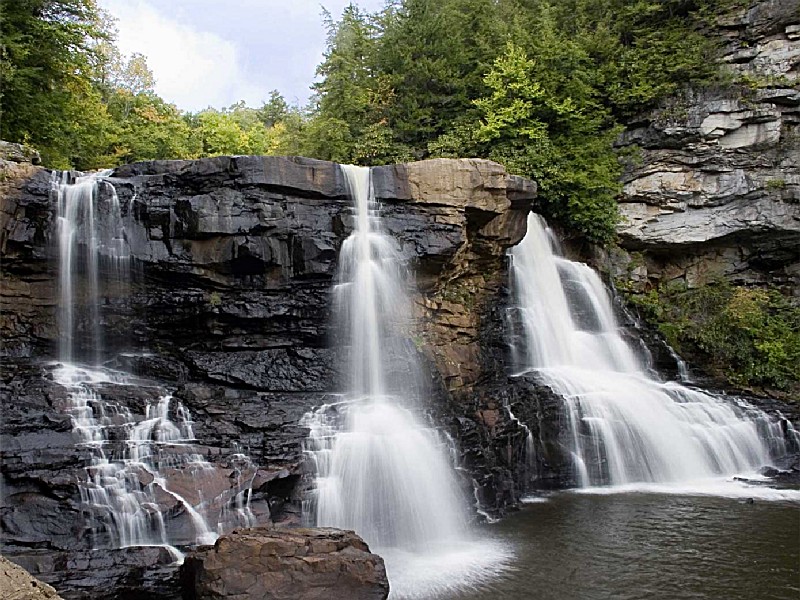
<point>553,138</point>
<point>219,133</point>
<point>434,54</point>
<point>345,101</point>
<point>46,68</point>
<point>273,110</point>
<point>148,128</point>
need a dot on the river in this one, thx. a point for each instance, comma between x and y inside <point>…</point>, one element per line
<point>629,546</point>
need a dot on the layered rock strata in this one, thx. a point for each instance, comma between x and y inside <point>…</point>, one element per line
<point>712,186</point>
<point>227,309</point>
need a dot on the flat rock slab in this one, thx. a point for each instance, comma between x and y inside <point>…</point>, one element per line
<point>17,584</point>
<point>266,563</point>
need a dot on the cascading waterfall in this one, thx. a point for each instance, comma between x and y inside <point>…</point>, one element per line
<point>133,459</point>
<point>380,469</point>
<point>626,426</point>
<point>91,238</point>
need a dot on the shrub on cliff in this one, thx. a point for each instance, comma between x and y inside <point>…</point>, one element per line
<point>750,337</point>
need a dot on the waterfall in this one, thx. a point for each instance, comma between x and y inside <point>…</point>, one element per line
<point>91,240</point>
<point>380,468</point>
<point>140,466</point>
<point>626,427</point>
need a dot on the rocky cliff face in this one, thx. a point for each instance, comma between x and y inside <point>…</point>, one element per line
<point>713,185</point>
<point>227,309</point>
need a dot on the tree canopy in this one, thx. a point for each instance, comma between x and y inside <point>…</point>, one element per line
<point>542,86</point>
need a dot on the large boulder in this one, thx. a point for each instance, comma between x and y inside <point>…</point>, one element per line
<point>285,564</point>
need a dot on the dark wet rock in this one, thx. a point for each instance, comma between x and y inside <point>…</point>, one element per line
<point>285,564</point>
<point>123,574</point>
<point>228,309</point>
<point>787,473</point>
<point>278,370</point>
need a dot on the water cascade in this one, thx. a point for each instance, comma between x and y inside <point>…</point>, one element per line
<point>626,426</point>
<point>381,470</point>
<point>140,466</point>
<point>91,241</point>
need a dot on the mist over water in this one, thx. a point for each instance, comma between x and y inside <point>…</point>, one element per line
<point>381,469</point>
<point>626,426</point>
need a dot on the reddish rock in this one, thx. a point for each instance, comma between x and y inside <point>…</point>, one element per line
<point>266,563</point>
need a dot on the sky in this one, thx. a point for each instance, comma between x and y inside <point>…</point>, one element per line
<point>214,53</point>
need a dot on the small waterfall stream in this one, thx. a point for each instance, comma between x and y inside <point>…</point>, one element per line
<point>380,469</point>
<point>137,463</point>
<point>91,241</point>
<point>626,427</point>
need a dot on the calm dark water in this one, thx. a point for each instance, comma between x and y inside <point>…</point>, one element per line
<point>643,546</point>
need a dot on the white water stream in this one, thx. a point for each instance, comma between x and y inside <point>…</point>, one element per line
<point>91,242</point>
<point>381,469</point>
<point>136,462</point>
<point>626,427</point>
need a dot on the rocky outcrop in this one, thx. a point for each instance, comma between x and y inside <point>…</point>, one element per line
<point>108,574</point>
<point>18,153</point>
<point>227,309</point>
<point>17,584</point>
<point>712,187</point>
<point>285,564</point>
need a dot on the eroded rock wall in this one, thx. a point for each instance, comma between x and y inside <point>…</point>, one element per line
<point>712,186</point>
<point>228,309</point>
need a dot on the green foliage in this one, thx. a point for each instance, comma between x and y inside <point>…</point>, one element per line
<point>69,92</point>
<point>147,128</point>
<point>434,54</point>
<point>776,184</point>
<point>220,133</point>
<point>539,85</point>
<point>749,336</point>
<point>554,138</point>
<point>46,68</point>
<point>274,111</point>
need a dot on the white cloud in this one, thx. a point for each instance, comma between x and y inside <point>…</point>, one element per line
<point>193,69</point>
<point>207,52</point>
